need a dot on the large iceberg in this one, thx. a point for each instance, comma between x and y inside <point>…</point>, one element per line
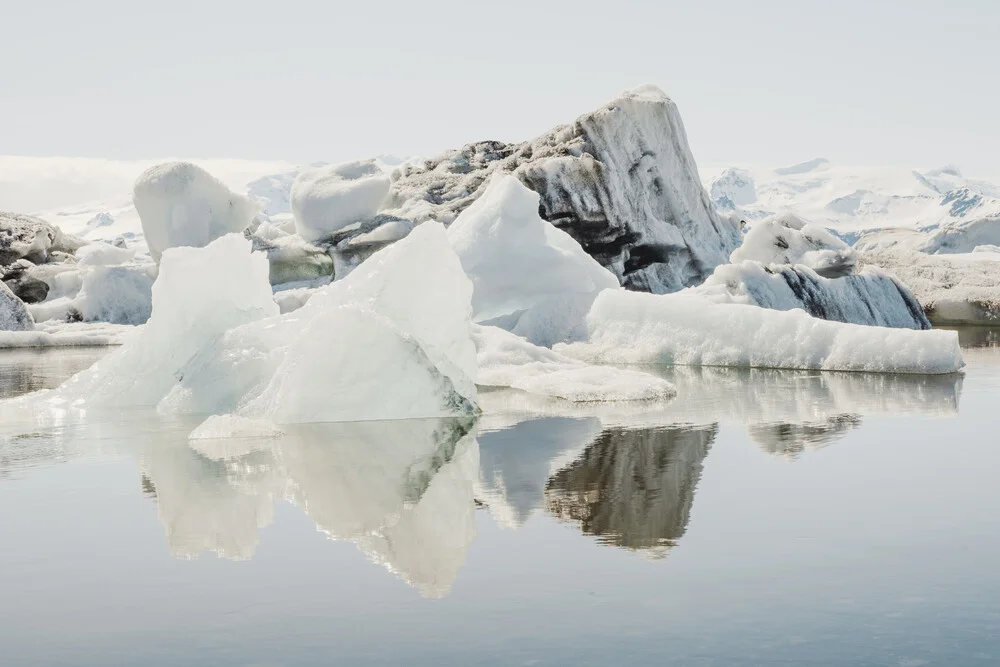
<point>620,180</point>
<point>181,204</point>
<point>327,199</point>
<point>528,276</point>
<point>683,329</point>
<point>870,297</point>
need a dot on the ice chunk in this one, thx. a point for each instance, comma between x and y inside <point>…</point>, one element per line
<point>181,204</point>
<point>103,254</point>
<point>528,276</point>
<point>14,315</point>
<point>327,199</point>
<point>117,294</point>
<point>390,341</point>
<point>788,239</point>
<point>67,334</point>
<point>200,294</point>
<point>682,329</point>
<point>234,426</point>
<point>870,297</point>
<point>508,361</point>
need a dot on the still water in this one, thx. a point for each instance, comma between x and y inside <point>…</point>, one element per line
<point>761,518</point>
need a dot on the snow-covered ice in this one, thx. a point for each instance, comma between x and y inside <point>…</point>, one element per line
<point>630,327</point>
<point>326,199</point>
<point>234,426</point>
<point>788,239</point>
<point>528,276</point>
<point>505,360</point>
<point>181,204</point>
<point>14,315</point>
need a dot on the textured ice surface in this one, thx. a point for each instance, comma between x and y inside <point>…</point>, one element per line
<point>953,289</point>
<point>234,426</point>
<point>390,341</point>
<point>788,239</point>
<point>14,315</point>
<point>506,360</point>
<point>117,294</point>
<point>629,327</point>
<point>64,334</point>
<point>528,276</point>
<point>870,297</point>
<point>181,204</point>
<point>103,254</point>
<point>326,199</point>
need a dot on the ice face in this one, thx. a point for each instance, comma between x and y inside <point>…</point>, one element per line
<point>14,315</point>
<point>326,199</point>
<point>528,276</point>
<point>682,329</point>
<point>181,204</point>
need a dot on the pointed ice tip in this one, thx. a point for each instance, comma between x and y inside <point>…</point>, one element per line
<point>647,92</point>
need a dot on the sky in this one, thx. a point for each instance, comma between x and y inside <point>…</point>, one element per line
<point>769,82</point>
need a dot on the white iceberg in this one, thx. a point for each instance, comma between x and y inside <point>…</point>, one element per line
<point>682,329</point>
<point>788,239</point>
<point>528,276</point>
<point>181,204</point>
<point>327,199</point>
<point>14,315</point>
<point>506,360</point>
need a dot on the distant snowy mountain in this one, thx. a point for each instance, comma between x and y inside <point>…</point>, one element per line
<point>851,199</point>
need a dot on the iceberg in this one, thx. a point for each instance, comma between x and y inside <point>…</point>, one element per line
<point>327,199</point>
<point>181,204</point>
<point>527,275</point>
<point>788,239</point>
<point>14,315</point>
<point>683,329</point>
<point>506,360</point>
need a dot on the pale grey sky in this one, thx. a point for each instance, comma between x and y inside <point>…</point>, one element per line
<point>768,81</point>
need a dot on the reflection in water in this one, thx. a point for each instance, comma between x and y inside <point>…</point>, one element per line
<point>790,440</point>
<point>27,370</point>
<point>402,491</point>
<point>977,336</point>
<point>633,489</point>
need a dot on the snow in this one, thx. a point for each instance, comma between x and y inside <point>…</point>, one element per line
<point>788,239</point>
<point>506,360</point>
<point>870,297</point>
<point>103,254</point>
<point>14,315</point>
<point>181,204</point>
<point>735,187</point>
<point>326,199</point>
<point>528,276</point>
<point>682,329</point>
<point>234,426</point>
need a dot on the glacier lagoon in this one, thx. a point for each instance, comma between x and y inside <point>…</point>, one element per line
<point>761,517</point>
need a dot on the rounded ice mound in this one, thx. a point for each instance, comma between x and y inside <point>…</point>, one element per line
<point>788,239</point>
<point>327,199</point>
<point>528,276</point>
<point>103,254</point>
<point>181,204</point>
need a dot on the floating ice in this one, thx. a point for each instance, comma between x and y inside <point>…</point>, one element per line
<point>682,329</point>
<point>103,254</point>
<point>528,276</point>
<point>506,360</point>
<point>117,294</point>
<point>788,239</point>
<point>327,199</point>
<point>181,204</point>
<point>14,315</point>
<point>234,426</point>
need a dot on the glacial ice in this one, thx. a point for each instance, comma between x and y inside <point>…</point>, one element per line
<point>14,315</point>
<point>234,426</point>
<point>181,204</point>
<point>870,297</point>
<point>326,199</point>
<point>506,360</point>
<point>682,329</point>
<point>528,276</point>
<point>103,254</point>
<point>788,239</point>
<point>117,294</point>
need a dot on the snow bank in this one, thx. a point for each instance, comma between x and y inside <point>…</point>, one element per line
<point>870,297</point>
<point>506,360</point>
<point>14,315</point>
<point>528,276</point>
<point>788,239</point>
<point>326,199</point>
<point>181,204</point>
<point>628,327</point>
